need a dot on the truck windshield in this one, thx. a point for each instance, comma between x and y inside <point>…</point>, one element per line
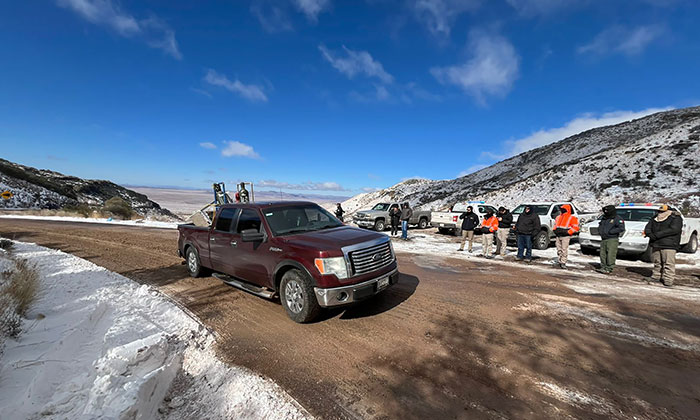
<point>636,215</point>
<point>540,210</point>
<point>288,220</point>
<point>381,207</point>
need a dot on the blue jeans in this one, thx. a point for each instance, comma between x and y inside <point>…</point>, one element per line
<point>404,229</point>
<point>525,244</point>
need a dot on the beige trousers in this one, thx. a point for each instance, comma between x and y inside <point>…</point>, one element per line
<point>563,248</point>
<point>501,241</point>
<point>467,235</point>
<point>486,242</point>
<point>664,265</point>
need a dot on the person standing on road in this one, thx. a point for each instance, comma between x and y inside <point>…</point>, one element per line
<point>395,216</point>
<point>243,194</point>
<point>505,221</point>
<point>339,212</point>
<point>488,227</point>
<point>664,233</point>
<point>565,226</point>
<point>610,227</point>
<point>406,214</point>
<point>527,226</point>
<point>469,222</point>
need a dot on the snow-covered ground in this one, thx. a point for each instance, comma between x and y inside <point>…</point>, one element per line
<point>98,345</point>
<point>140,222</point>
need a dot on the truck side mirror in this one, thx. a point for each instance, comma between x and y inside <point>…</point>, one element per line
<point>252,235</point>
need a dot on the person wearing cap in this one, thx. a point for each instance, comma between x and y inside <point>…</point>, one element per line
<point>527,226</point>
<point>664,233</point>
<point>339,212</point>
<point>505,221</point>
<point>488,227</point>
<point>610,227</point>
<point>470,221</point>
<point>565,226</point>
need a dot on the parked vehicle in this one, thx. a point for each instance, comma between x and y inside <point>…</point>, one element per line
<point>548,211</point>
<point>636,216</point>
<point>295,250</point>
<point>377,217</point>
<point>449,222</point>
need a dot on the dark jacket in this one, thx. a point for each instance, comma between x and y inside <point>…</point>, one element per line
<point>505,220</point>
<point>528,224</point>
<point>339,212</point>
<point>395,214</point>
<point>611,227</point>
<point>469,221</point>
<point>666,234</point>
<point>406,213</point>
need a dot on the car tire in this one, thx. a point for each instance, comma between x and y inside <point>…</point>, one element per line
<point>541,240</point>
<point>298,297</point>
<point>379,226</point>
<point>692,246</point>
<point>194,265</point>
<point>646,255</point>
<point>587,250</point>
<point>422,223</point>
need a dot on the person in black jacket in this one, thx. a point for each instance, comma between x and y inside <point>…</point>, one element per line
<point>339,212</point>
<point>505,221</point>
<point>610,227</point>
<point>664,233</point>
<point>469,222</point>
<point>395,216</point>
<point>527,226</point>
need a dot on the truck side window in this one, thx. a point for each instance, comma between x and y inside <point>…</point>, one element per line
<point>248,219</point>
<point>223,222</point>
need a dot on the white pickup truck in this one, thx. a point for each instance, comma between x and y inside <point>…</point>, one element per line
<point>548,211</point>
<point>449,221</point>
<point>632,242</point>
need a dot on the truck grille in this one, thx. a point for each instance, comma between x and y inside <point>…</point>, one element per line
<point>594,231</point>
<point>372,258</point>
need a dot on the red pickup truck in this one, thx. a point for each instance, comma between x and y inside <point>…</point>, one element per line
<point>295,250</point>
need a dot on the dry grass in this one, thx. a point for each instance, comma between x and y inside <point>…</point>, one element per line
<point>19,289</point>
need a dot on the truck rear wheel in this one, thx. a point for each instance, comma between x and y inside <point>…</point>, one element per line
<point>423,223</point>
<point>692,244</point>
<point>298,297</point>
<point>379,225</point>
<point>194,265</point>
<point>541,240</point>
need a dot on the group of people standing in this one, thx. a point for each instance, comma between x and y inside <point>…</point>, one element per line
<point>400,215</point>
<point>493,224</point>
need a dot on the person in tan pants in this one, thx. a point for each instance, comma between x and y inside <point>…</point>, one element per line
<point>470,221</point>
<point>488,227</point>
<point>664,233</point>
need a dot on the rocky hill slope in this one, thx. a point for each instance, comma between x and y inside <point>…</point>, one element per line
<point>44,189</point>
<point>655,158</point>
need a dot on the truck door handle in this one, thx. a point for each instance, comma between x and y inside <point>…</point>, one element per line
<point>234,244</point>
<point>212,239</point>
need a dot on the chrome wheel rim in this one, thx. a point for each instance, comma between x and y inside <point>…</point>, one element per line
<point>192,262</point>
<point>294,296</point>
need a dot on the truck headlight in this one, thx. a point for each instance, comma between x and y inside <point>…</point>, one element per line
<point>586,230</point>
<point>335,265</point>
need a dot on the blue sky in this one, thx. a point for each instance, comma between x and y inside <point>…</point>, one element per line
<point>325,95</point>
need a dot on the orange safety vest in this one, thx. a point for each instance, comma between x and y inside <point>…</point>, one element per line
<point>567,221</point>
<point>491,223</point>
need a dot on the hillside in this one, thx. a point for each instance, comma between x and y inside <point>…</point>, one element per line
<point>654,158</point>
<point>44,189</point>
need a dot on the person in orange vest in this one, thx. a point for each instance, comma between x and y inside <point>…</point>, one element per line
<point>488,227</point>
<point>565,225</point>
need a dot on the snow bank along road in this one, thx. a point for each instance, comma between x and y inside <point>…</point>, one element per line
<point>456,338</point>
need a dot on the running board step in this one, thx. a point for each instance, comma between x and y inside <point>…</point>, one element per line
<point>247,287</point>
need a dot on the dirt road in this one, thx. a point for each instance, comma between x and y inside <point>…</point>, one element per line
<point>453,339</point>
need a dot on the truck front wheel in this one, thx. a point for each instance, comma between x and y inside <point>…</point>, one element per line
<point>541,240</point>
<point>194,266</point>
<point>297,296</point>
<point>379,225</point>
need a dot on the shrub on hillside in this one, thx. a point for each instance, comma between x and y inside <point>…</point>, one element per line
<point>82,209</point>
<point>19,287</point>
<point>119,207</point>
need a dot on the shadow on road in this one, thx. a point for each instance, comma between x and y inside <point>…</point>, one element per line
<point>389,299</point>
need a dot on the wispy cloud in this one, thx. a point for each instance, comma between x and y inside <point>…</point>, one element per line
<point>207,145</point>
<point>623,40</point>
<point>201,92</point>
<point>251,92</point>
<point>356,62</point>
<point>575,126</point>
<point>153,31</point>
<point>272,15</point>
<point>312,8</point>
<point>491,70</point>
<point>305,186</point>
<point>238,149</point>
<point>370,189</point>
<point>531,8</point>
<point>439,15</point>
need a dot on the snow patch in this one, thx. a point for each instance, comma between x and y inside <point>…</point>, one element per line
<point>140,222</point>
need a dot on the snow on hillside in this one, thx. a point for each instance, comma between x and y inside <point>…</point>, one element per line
<point>98,345</point>
<point>654,158</point>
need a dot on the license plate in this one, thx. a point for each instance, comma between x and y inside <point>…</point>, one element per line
<point>382,283</point>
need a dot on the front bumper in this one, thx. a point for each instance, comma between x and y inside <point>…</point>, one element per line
<point>443,225</point>
<point>364,222</point>
<point>626,246</point>
<point>344,295</point>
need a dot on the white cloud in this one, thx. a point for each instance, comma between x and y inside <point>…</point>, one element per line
<point>575,126</point>
<point>207,145</point>
<point>356,62</point>
<point>271,15</point>
<point>251,92</point>
<point>623,40</point>
<point>491,70</point>
<point>305,186</point>
<point>236,148</point>
<point>439,15</point>
<point>471,169</point>
<point>312,8</point>
<point>153,31</point>
<point>530,8</point>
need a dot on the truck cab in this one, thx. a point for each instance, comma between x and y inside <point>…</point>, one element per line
<point>449,221</point>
